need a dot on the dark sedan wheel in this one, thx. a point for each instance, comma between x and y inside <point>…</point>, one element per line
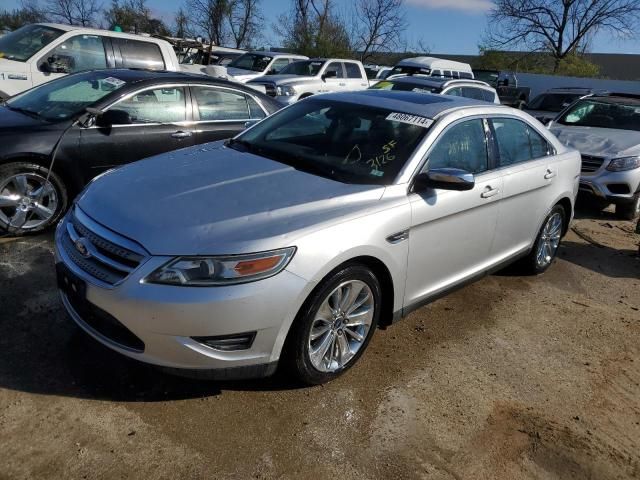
<point>29,201</point>
<point>335,325</point>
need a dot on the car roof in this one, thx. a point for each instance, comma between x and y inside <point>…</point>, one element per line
<point>576,90</point>
<point>618,98</point>
<point>414,103</point>
<point>110,33</point>
<point>278,54</point>
<point>436,81</point>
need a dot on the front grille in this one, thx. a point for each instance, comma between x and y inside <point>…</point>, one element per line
<point>105,324</point>
<point>591,164</point>
<point>103,258</point>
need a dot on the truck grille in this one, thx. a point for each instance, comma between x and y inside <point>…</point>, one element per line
<point>270,88</point>
<point>99,252</point>
<point>591,164</point>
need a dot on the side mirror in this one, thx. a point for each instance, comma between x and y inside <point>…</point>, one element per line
<point>329,74</point>
<point>445,179</point>
<point>113,117</point>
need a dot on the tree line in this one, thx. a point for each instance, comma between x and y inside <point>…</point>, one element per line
<point>552,35</point>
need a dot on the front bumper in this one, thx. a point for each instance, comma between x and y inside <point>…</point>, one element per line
<point>601,183</point>
<point>166,318</point>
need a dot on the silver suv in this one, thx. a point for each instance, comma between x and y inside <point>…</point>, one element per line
<point>293,241</point>
<point>606,131</point>
<point>308,77</point>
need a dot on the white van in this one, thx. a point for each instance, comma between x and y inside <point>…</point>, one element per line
<point>40,52</point>
<point>431,67</point>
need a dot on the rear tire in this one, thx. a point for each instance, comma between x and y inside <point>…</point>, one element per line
<point>334,326</point>
<point>629,211</point>
<point>547,243</point>
<point>29,203</point>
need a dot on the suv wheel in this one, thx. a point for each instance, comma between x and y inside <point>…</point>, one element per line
<point>629,211</point>
<point>335,326</point>
<point>546,246</point>
<point>28,201</point>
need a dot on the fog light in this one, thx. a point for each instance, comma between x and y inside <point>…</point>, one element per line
<point>228,343</point>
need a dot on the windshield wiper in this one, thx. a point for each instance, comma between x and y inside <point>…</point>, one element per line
<point>24,111</point>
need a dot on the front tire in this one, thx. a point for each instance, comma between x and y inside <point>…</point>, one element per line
<point>29,203</point>
<point>547,242</point>
<point>629,211</point>
<point>335,325</point>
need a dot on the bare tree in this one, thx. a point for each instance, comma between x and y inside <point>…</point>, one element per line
<point>559,27</point>
<point>134,16</point>
<point>314,28</point>
<point>244,19</point>
<point>181,24</point>
<point>209,19</point>
<point>73,12</point>
<point>380,25</point>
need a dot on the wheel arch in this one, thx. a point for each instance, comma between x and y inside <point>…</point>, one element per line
<point>566,204</point>
<point>44,161</point>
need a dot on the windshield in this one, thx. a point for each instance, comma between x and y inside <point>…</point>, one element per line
<point>488,76</point>
<point>25,42</point>
<point>405,87</point>
<point>347,142</point>
<point>308,68</point>
<point>66,97</point>
<point>553,102</point>
<point>407,70</point>
<point>618,113</point>
<point>251,61</point>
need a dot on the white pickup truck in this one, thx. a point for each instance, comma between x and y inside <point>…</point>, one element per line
<point>41,52</point>
<point>308,77</point>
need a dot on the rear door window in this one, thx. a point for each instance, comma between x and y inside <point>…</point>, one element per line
<point>518,142</point>
<point>138,54</point>
<point>217,104</point>
<point>160,105</point>
<point>353,70</point>
<point>488,96</point>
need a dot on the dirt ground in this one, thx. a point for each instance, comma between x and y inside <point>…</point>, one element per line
<point>510,378</point>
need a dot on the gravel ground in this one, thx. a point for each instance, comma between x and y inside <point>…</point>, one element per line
<point>512,377</point>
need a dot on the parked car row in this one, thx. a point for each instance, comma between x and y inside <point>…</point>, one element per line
<point>282,228</point>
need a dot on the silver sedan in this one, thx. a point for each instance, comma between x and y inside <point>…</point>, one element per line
<point>292,242</point>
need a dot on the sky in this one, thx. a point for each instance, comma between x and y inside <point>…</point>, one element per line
<point>445,26</point>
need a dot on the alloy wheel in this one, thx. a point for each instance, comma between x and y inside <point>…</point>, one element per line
<point>549,240</point>
<point>27,201</point>
<point>341,326</point>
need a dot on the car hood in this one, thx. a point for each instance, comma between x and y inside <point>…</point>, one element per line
<point>7,65</point>
<point>282,79</point>
<point>11,120</point>
<point>604,142</point>
<point>211,199</point>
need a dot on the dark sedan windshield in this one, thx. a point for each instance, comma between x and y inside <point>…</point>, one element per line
<point>344,141</point>
<point>25,42</point>
<point>68,96</point>
<point>251,61</point>
<point>614,112</point>
<point>306,67</point>
<point>553,102</point>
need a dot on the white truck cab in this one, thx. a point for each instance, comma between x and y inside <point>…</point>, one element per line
<point>41,52</point>
<point>309,77</point>
<point>431,67</point>
<point>256,64</point>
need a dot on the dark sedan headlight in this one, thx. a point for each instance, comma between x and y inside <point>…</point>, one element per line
<point>623,163</point>
<point>222,270</point>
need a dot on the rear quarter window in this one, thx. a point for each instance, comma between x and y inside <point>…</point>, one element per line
<point>353,70</point>
<point>139,54</point>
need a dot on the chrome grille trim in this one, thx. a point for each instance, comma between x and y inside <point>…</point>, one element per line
<point>591,163</point>
<point>109,258</point>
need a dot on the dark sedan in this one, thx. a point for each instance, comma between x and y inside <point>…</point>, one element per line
<point>134,114</point>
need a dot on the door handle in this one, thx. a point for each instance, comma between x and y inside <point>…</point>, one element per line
<point>181,134</point>
<point>342,84</point>
<point>550,174</point>
<point>489,192</point>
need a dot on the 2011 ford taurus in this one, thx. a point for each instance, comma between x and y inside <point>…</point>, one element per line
<point>293,241</point>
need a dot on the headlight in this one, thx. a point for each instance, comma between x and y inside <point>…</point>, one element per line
<point>286,91</point>
<point>227,270</point>
<point>623,163</point>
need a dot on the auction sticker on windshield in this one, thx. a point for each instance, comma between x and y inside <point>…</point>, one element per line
<point>410,119</point>
<point>114,82</point>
